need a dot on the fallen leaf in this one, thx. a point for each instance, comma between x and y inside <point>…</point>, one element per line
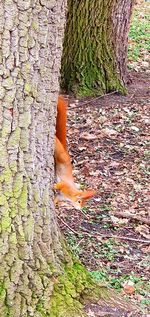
<point>109,132</point>
<point>128,287</point>
<point>146,250</point>
<point>145,64</point>
<point>82,148</point>
<point>96,173</point>
<point>88,136</point>
<point>134,128</point>
<point>143,230</point>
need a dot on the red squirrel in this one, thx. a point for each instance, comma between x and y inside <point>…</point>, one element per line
<point>66,185</point>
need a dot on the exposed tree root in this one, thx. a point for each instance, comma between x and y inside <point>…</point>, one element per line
<point>130,216</point>
<point>112,303</point>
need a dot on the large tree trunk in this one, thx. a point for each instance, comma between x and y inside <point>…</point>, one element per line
<point>30,245</point>
<point>95,46</point>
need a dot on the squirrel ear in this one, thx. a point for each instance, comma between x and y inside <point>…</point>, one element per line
<point>86,194</point>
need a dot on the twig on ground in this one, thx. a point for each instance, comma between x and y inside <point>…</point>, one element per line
<point>124,238</point>
<point>130,216</point>
<point>96,234</point>
<point>75,232</point>
<point>94,99</point>
<point>78,244</point>
<point>85,215</point>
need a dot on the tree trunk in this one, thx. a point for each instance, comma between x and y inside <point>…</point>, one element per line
<point>38,275</point>
<point>121,15</point>
<point>31,251</point>
<point>95,46</point>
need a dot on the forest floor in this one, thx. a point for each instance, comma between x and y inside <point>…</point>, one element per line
<point>109,141</point>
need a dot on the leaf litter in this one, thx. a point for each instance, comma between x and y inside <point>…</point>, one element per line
<point>108,141</point>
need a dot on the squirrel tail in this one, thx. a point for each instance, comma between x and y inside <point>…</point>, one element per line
<point>61,121</point>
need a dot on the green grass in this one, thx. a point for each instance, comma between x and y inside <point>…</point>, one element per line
<point>114,277</point>
<point>142,287</point>
<point>139,35</point>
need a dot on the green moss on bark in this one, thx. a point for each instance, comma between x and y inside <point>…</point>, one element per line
<point>70,291</point>
<point>65,301</point>
<point>22,200</point>
<point>88,61</point>
<point>14,138</point>
<point>17,185</point>
<point>2,294</point>
<point>3,308</point>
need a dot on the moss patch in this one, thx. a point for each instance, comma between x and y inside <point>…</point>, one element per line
<point>70,291</point>
<point>3,308</point>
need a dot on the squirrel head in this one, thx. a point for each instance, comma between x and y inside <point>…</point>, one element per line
<point>77,197</point>
<point>81,197</point>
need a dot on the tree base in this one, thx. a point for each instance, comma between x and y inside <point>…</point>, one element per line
<point>75,289</point>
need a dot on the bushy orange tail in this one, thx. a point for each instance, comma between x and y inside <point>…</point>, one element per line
<point>66,185</point>
<point>61,121</point>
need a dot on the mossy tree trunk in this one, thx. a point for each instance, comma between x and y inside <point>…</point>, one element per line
<point>95,46</point>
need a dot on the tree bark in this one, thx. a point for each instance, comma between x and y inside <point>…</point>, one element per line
<point>30,245</point>
<point>121,16</point>
<point>94,57</point>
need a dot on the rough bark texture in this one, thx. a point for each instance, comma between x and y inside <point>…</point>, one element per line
<point>95,46</point>
<point>30,246</point>
<point>121,15</point>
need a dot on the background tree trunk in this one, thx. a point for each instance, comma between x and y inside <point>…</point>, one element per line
<point>95,46</point>
<point>121,15</point>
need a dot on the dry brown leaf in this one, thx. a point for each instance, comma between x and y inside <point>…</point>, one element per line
<point>82,148</point>
<point>88,136</point>
<point>72,131</point>
<point>102,119</point>
<point>114,164</point>
<point>143,230</point>
<point>119,221</point>
<point>96,173</point>
<point>146,250</point>
<point>109,132</point>
<point>128,287</point>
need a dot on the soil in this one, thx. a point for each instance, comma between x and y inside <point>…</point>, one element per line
<point>108,140</point>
